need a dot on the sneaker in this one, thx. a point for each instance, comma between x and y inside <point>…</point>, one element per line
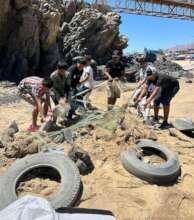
<point>154,120</point>
<point>164,125</point>
<point>110,107</point>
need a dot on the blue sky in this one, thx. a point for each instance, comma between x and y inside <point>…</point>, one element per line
<point>155,32</point>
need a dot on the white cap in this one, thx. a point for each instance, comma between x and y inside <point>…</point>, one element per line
<point>151,70</point>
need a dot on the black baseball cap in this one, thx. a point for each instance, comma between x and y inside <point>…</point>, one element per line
<point>82,61</point>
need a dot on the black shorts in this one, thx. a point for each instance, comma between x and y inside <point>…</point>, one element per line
<point>167,95</point>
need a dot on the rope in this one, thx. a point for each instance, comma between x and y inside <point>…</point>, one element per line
<point>87,90</point>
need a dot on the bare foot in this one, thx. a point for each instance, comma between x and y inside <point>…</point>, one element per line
<point>33,128</point>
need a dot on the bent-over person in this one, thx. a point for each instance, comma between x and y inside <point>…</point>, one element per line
<point>166,87</point>
<point>35,91</point>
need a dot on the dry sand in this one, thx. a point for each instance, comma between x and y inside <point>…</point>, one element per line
<point>184,63</point>
<point>109,186</point>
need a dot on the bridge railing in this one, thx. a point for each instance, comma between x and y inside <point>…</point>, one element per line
<point>181,9</point>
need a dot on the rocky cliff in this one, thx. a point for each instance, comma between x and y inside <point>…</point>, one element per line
<point>35,34</point>
<point>98,35</point>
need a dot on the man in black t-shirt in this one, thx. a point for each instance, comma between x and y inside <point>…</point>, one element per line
<point>166,88</point>
<point>113,71</point>
<point>76,72</point>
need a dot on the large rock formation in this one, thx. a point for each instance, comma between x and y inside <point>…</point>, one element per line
<point>51,12</point>
<point>33,32</point>
<point>29,39</point>
<point>93,32</point>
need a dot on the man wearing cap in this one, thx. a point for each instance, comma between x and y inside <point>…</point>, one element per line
<point>113,71</point>
<point>61,82</point>
<point>76,71</point>
<point>165,89</point>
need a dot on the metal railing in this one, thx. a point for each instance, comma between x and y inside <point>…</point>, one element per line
<point>178,9</point>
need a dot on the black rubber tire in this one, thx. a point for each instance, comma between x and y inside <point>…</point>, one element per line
<point>183,124</point>
<point>165,173</point>
<point>70,178</point>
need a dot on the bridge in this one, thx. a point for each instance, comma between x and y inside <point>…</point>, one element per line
<point>178,9</point>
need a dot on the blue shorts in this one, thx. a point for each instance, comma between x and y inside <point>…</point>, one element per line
<point>166,96</point>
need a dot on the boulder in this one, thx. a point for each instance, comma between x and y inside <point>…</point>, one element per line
<point>35,34</point>
<point>173,69</point>
<point>30,28</point>
<point>50,20</point>
<point>23,52</point>
<point>90,31</point>
<point>5,22</point>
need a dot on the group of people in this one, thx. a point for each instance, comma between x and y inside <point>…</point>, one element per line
<point>60,86</point>
<point>65,83</point>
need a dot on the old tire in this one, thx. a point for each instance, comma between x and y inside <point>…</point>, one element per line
<point>183,124</point>
<point>69,174</point>
<point>165,173</point>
